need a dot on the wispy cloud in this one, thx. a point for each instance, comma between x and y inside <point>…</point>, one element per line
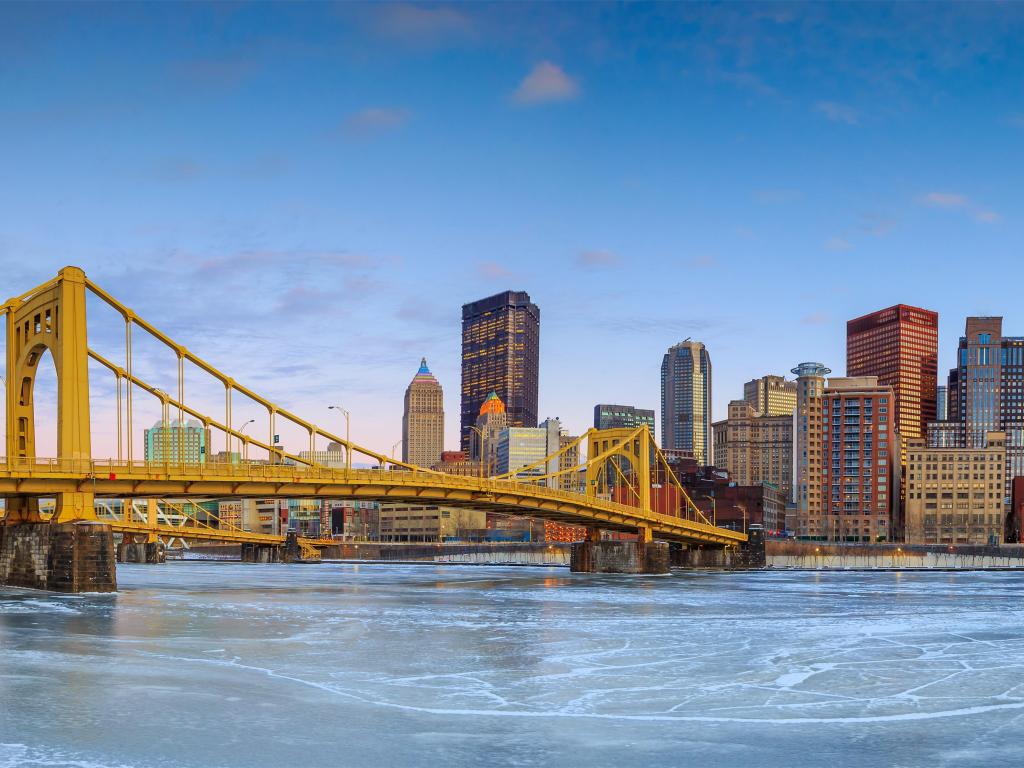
<point>423,25</point>
<point>490,270</point>
<point>838,244</point>
<point>546,83</point>
<point>373,121</point>
<point>815,318</point>
<point>877,224</point>
<point>597,259</point>
<point>836,112</point>
<point>959,202</point>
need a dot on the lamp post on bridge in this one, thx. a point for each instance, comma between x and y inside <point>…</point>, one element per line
<point>241,442</point>
<point>348,445</point>
<point>714,510</point>
<point>483,442</point>
<point>394,448</point>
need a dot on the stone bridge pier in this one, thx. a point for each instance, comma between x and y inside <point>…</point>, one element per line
<point>616,556</point>
<point>149,552</point>
<point>74,556</point>
<point>261,553</point>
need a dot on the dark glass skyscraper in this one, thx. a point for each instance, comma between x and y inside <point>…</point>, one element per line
<point>686,400</point>
<point>500,353</point>
<point>608,416</point>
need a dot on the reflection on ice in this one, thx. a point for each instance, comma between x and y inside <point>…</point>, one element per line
<point>220,664</point>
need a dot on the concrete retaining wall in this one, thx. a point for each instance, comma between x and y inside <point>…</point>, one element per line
<point>804,554</point>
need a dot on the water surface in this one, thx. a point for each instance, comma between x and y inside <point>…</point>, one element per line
<point>209,665</point>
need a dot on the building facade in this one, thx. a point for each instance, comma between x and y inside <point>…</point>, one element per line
<point>493,419</point>
<point>430,523</point>
<point>771,395</point>
<point>986,390</point>
<point>686,400</point>
<point>521,447</point>
<point>608,416</point>
<point>899,345</point>
<point>755,448</point>
<point>941,403</point>
<point>956,495</point>
<point>177,443</point>
<point>423,419</point>
<point>501,354</point>
<point>808,453</point>
<point>860,481</point>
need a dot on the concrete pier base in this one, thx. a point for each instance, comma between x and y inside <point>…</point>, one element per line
<point>702,557</point>
<point>261,553</point>
<point>61,557</point>
<point>619,557</point>
<point>292,553</point>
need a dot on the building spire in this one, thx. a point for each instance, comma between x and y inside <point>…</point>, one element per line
<point>423,366</point>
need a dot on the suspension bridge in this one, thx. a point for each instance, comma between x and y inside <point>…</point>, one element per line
<point>616,477</point>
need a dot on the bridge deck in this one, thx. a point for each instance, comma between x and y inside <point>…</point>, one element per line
<point>40,477</point>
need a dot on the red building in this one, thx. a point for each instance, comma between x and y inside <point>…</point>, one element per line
<point>860,479</point>
<point>899,345</point>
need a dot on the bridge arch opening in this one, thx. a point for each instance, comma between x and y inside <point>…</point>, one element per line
<point>36,392</point>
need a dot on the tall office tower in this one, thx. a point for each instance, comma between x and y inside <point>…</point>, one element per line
<point>622,417</point>
<point>500,353</point>
<point>989,390</point>
<point>955,495</point>
<point>941,403</point>
<point>953,395</point>
<point>423,420</point>
<point>489,424</point>
<point>686,400</point>
<point>807,450</point>
<point>899,345</point>
<point>771,395</point>
<point>860,479</point>
<point>754,448</point>
<point>177,443</point>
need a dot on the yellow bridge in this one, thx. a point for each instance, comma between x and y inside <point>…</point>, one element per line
<point>624,464</point>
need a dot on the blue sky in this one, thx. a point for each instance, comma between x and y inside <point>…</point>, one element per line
<point>306,195</point>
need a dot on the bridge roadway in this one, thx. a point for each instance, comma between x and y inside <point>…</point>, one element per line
<point>113,479</point>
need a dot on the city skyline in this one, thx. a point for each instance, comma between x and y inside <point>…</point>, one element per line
<point>283,186</point>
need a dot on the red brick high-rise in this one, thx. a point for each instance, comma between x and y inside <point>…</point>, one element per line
<point>899,345</point>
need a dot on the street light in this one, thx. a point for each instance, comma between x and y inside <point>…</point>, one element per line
<point>348,445</point>
<point>395,447</point>
<point>714,509</point>
<point>482,444</point>
<point>241,443</point>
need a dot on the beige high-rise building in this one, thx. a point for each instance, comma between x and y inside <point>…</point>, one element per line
<point>808,453</point>
<point>771,395</point>
<point>755,448</point>
<point>956,495</point>
<point>423,420</point>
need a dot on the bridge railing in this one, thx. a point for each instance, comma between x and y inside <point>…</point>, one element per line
<point>112,469</point>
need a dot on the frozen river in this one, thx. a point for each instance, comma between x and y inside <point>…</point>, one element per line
<point>209,665</point>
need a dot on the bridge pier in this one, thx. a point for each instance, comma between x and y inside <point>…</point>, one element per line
<point>148,552</point>
<point>261,553</point>
<point>619,557</point>
<point>59,557</point>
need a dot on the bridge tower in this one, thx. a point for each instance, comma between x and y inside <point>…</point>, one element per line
<point>50,319</point>
<point>70,552</point>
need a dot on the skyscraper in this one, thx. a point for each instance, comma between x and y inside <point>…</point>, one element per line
<point>899,345</point>
<point>622,417</point>
<point>686,400</point>
<point>771,395</point>
<point>941,403</point>
<point>860,478</point>
<point>807,447</point>
<point>493,419</point>
<point>501,354</point>
<point>423,419</point>
<point>986,390</point>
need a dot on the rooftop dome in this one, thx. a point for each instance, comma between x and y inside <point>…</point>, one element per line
<point>492,404</point>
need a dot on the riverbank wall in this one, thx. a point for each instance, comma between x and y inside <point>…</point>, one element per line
<point>821,556</point>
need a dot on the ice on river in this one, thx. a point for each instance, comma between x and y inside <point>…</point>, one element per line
<point>208,665</point>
